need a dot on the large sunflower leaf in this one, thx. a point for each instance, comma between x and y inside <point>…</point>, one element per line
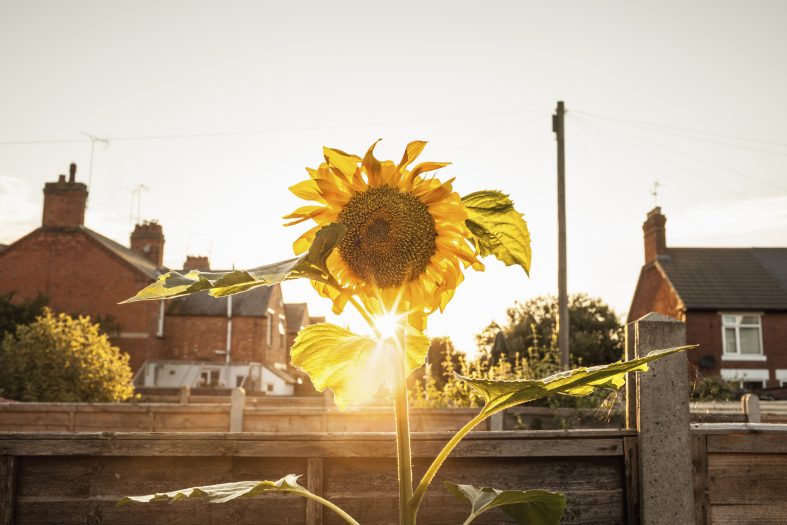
<point>353,366</point>
<point>224,492</point>
<point>500,395</point>
<point>311,265</point>
<point>497,228</point>
<point>527,507</point>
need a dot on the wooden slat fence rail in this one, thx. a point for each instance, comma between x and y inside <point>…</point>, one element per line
<point>77,478</point>
<point>740,473</point>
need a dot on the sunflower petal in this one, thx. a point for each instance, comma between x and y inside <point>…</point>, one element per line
<point>344,162</point>
<point>411,152</point>
<point>425,167</point>
<point>372,165</point>
<point>307,190</point>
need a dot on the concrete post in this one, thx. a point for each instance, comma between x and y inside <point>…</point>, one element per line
<point>663,425</point>
<point>750,404</point>
<point>184,394</point>
<point>237,403</point>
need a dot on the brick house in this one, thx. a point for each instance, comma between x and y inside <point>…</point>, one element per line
<point>733,301</point>
<point>195,341</point>
<point>83,272</point>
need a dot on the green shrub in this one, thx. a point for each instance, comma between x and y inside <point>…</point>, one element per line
<point>57,358</point>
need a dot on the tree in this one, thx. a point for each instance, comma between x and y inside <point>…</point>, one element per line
<point>595,333</point>
<point>57,358</point>
<point>13,314</point>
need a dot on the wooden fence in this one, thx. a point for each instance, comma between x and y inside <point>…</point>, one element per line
<point>660,471</point>
<point>215,417</point>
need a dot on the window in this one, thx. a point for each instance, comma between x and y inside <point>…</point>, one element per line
<point>209,378</point>
<point>742,336</point>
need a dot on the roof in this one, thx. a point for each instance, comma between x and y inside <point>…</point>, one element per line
<point>3,247</point>
<point>253,303</point>
<point>728,278</point>
<point>133,258</point>
<point>295,314</point>
<point>282,374</point>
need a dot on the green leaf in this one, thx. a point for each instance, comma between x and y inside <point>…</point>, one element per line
<point>497,228</point>
<point>527,507</point>
<point>225,491</point>
<point>353,366</point>
<point>311,265</point>
<point>500,395</point>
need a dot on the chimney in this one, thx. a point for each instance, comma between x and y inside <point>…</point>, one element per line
<point>655,235</point>
<point>64,202</point>
<point>196,262</point>
<point>147,239</point>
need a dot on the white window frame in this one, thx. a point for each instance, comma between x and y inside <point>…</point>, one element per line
<point>781,376</point>
<point>747,375</point>
<point>737,356</point>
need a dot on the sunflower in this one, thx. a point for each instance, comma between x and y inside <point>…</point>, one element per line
<point>406,242</point>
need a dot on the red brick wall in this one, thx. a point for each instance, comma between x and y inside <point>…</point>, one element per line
<point>196,338</point>
<point>704,328</point>
<point>81,277</point>
<point>654,294</point>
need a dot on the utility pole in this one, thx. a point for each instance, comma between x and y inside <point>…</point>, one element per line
<point>558,128</point>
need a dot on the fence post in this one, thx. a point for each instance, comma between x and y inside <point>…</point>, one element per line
<point>663,425</point>
<point>237,403</point>
<point>184,394</point>
<point>496,421</point>
<point>750,404</point>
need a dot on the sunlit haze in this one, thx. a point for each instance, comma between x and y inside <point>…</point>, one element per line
<point>217,107</point>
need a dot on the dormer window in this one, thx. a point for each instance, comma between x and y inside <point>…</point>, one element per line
<point>742,337</point>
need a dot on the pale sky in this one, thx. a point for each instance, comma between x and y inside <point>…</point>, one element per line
<point>655,91</point>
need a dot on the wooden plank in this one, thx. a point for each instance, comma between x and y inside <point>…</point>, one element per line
<point>8,477</point>
<point>271,509</point>
<point>770,443</point>
<point>631,486</point>
<point>314,484</point>
<point>770,514</point>
<point>699,461</point>
<point>747,479</point>
<point>83,477</point>
<point>593,487</point>
<point>739,428</point>
<point>479,444</point>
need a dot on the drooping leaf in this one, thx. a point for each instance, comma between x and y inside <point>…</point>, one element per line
<point>500,395</point>
<point>497,228</point>
<point>224,492</point>
<point>311,265</point>
<point>353,366</point>
<point>417,348</point>
<point>527,507</point>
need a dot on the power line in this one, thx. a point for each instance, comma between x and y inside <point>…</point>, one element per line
<point>708,162</point>
<point>689,130</point>
<point>691,137</point>
<point>613,134</point>
<point>223,134</point>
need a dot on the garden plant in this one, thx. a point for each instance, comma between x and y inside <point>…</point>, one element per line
<point>392,241</point>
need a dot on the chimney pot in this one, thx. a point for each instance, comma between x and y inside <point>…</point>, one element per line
<point>61,179</point>
<point>72,173</point>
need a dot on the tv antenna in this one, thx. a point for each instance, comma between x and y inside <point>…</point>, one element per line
<point>655,193</point>
<point>93,139</point>
<point>136,193</point>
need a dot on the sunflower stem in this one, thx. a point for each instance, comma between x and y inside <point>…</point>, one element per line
<point>403,452</point>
